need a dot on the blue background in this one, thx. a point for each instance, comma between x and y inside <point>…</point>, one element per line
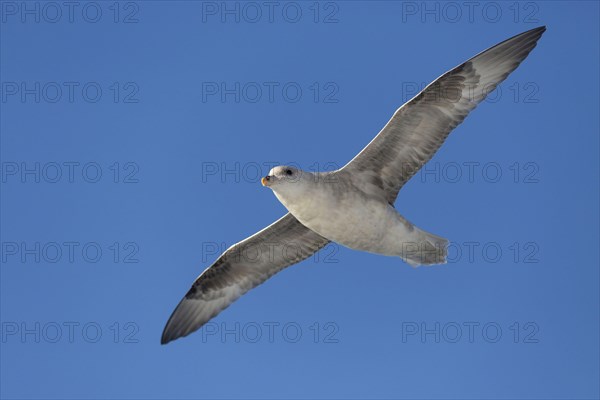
<point>168,213</point>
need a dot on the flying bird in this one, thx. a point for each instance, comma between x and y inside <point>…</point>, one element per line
<point>354,206</point>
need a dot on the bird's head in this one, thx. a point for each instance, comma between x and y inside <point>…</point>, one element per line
<point>286,180</point>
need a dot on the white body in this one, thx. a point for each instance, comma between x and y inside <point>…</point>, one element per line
<point>330,205</point>
<point>354,221</point>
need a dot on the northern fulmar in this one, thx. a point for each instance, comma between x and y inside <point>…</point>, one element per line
<point>354,206</point>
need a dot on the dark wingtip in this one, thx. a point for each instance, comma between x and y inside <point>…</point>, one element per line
<point>534,32</point>
<point>164,339</point>
<point>539,31</point>
<point>169,334</point>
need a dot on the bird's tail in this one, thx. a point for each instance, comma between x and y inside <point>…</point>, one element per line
<point>426,249</point>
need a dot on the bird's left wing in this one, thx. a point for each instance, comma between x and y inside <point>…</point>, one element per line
<point>242,267</point>
<point>419,127</point>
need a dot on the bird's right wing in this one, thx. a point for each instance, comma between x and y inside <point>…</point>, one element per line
<point>418,128</point>
<point>242,267</point>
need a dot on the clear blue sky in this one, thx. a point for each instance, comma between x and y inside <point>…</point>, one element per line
<point>132,140</point>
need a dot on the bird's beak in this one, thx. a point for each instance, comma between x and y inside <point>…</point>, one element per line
<point>264,181</point>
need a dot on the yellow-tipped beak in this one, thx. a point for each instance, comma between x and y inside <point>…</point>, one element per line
<point>264,181</point>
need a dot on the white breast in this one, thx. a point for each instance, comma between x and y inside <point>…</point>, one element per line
<point>348,217</point>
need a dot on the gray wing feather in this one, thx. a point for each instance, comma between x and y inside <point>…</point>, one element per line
<point>242,267</point>
<point>418,128</point>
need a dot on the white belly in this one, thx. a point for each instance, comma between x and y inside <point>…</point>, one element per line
<point>356,221</point>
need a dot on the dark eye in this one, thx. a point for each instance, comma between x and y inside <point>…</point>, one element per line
<point>288,171</point>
